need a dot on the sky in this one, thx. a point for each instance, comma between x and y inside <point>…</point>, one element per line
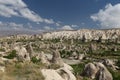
<point>49,15</point>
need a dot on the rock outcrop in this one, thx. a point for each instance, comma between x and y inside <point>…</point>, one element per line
<point>43,58</point>
<point>88,35</point>
<point>22,54</point>
<point>109,63</point>
<point>63,73</point>
<point>103,73</point>
<point>57,58</point>
<point>30,50</point>
<point>97,70</point>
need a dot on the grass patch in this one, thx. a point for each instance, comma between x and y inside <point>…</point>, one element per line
<point>115,74</point>
<point>78,68</point>
<point>24,71</point>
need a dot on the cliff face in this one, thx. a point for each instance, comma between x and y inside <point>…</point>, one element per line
<point>85,33</point>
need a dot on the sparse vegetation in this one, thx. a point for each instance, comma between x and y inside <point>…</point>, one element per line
<point>28,71</point>
<point>35,60</point>
<point>2,50</point>
<point>11,55</point>
<point>78,68</point>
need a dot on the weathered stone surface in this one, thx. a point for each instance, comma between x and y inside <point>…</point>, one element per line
<point>111,34</point>
<point>90,70</point>
<point>63,73</point>
<point>22,54</point>
<point>30,50</point>
<point>57,58</point>
<point>51,74</point>
<point>43,58</point>
<point>109,63</point>
<point>103,73</point>
<point>97,70</point>
<point>81,56</point>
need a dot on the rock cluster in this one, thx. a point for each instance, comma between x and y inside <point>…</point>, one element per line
<point>86,34</point>
<point>97,70</point>
<point>63,73</point>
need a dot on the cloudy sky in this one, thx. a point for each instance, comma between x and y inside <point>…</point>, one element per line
<point>45,15</point>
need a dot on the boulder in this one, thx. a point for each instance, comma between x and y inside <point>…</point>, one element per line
<point>63,73</point>
<point>90,70</point>
<point>22,54</point>
<point>75,55</point>
<point>66,72</point>
<point>103,73</point>
<point>97,70</point>
<point>43,58</point>
<point>29,49</point>
<point>50,74</point>
<point>57,58</point>
<point>81,56</point>
<point>109,63</point>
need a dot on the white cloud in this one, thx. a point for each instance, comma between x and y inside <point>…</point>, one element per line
<point>49,21</point>
<point>57,24</point>
<point>48,28</point>
<point>9,8</point>
<point>108,17</point>
<point>67,27</point>
<point>26,13</point>
<point>74,26</point>
<point>11,26</point>
<point>29,25</point>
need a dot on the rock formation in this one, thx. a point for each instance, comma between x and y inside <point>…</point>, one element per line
<point>110,34</point>
<point>43,58</point>
<point>57,58</point>
<point>22,54</point>
<point>97,70</point>
<point>63,73</point>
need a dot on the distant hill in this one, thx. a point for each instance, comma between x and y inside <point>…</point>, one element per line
<point>16,32</point>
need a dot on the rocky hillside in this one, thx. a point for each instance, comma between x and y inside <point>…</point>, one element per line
<point>110,34</point>
<point>63,55</point>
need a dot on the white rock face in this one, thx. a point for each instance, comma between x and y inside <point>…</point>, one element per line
<point>109,63</point>
<point>63,73</point>
<point>51,74</point>
<point>2,68</point>
<point>22,53</point>
<point>90,70</point>
<point>81,56</point>
<point>103,73</point>
<point>43,58</point>
<point>57,58</point>
<point>97,70</point>
<point>88,34</point>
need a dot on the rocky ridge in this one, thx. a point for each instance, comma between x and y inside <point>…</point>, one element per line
<point>110,34</point>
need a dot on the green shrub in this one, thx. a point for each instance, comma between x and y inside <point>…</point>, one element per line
<point>35,60</point>
<point>11,55</point>
<point>118,63</point>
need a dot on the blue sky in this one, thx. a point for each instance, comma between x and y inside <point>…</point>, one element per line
<point>43,15</point>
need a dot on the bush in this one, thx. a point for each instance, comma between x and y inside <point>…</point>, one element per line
<point>118,63</point>
<point>35,60</point>
<point>11,55</point>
